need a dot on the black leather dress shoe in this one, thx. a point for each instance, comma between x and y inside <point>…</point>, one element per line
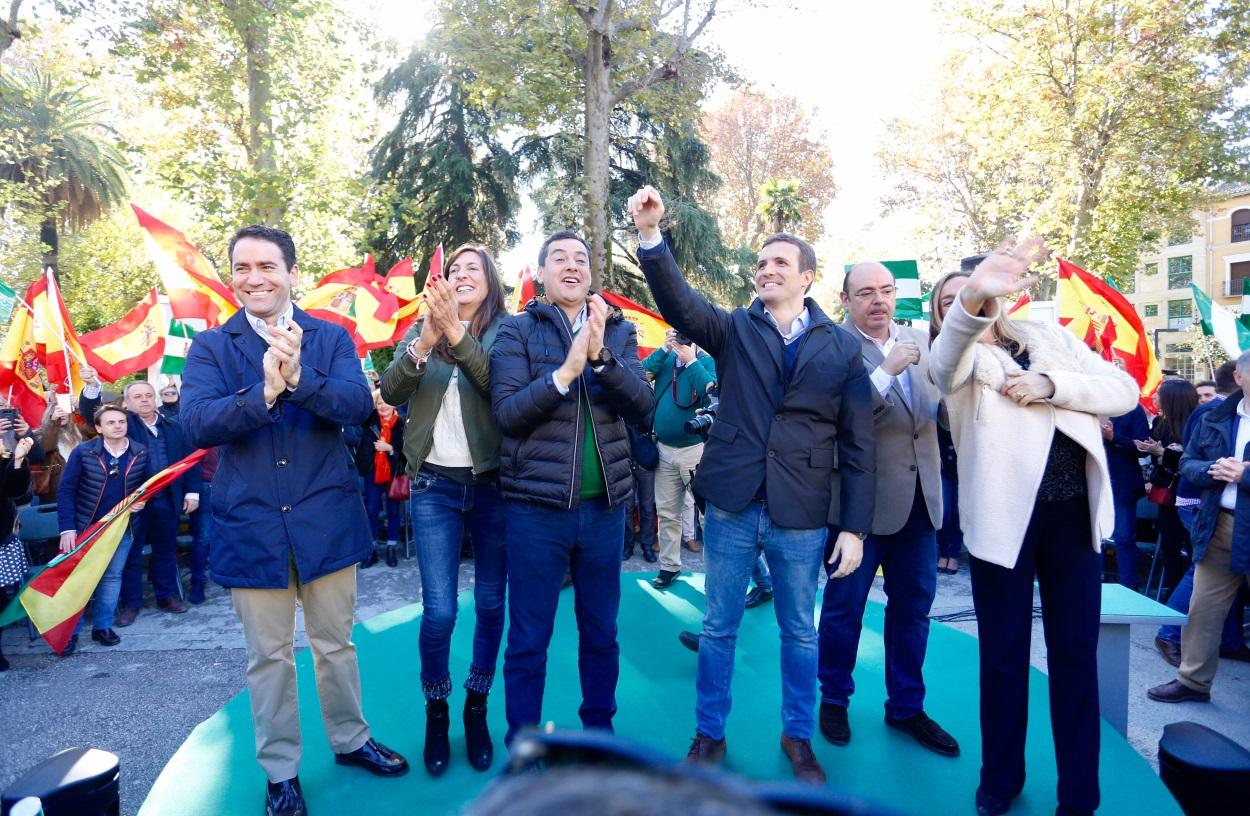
<point>758,597</point>
<point>991,805</point>
<point>105,637</point>
<point>1241,654</point>
<point>1171,651</point>
<point>665,579</point>
<point>1175,691</point>
<point>285,799</point>
<point>70,647</point>
<point>834,724</point>
<point>375,758</point>
<point>928,733</point>
<point>648,553</point>
<point>690,640</point>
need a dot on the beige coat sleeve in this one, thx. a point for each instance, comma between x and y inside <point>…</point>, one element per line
<point>1098,388</point>
<point>953,354</point>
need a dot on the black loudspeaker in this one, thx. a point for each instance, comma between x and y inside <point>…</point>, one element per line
<point>1207,772</point>
<point>73,782</point>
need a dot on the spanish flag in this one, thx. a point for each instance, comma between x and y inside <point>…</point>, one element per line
<point>1101,317</point>
<point>651,327</point>
<point>55,339</point>
<point>21,368</point>
<point>55,598</point>
<point>193,287</point>
<point>356,298</point>
<point>1020,309</point>
<point>526,290</point>
<point>129,345</point>
<point>401,282</point>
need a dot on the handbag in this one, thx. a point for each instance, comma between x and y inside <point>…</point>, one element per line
<point>14,563</point>
<point>400,488</point>
<point>1160,495</point>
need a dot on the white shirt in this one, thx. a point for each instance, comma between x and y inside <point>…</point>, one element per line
<point>1228,499</point>
<point>151,426</point>
<point>262,328</point>
<point>580,321</point>
<point>880,378</point>
<point>798,325</point>
<point>451,443</point>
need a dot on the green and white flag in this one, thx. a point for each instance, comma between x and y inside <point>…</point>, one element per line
<point>177,341</point>
<point>1245,303</point>
<point>7,299</point>
<point>907,281</point>
<point>1220,323</point>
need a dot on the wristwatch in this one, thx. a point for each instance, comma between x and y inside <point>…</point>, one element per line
<point>605,357</point>
<point>860,536</point>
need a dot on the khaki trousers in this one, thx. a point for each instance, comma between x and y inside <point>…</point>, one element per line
<point>268,617</point>
<point>672,483</point>
<point>1215,587</point>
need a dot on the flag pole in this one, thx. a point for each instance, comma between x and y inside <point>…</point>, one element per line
<point>39,322</point>
<point>69,371</point>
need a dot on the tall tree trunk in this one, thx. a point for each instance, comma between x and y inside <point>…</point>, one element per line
<point>8,28</point>
<point>50,237</point>
<point>595,156</point>
<point>251,22</point>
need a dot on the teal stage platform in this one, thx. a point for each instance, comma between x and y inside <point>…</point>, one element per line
<point>215,772</point>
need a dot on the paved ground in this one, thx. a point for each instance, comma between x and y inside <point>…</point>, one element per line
<point>141,699</point>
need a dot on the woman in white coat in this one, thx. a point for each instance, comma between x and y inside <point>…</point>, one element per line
<point>1024,401</point>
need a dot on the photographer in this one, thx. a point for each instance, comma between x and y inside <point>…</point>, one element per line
<point>683,375</point>
<point>795,420</point>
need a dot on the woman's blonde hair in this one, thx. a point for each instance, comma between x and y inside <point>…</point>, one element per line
<point>1005,334</point>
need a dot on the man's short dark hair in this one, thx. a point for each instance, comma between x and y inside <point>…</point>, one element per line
<point>104,409</point>
<point>807,255</point>
<point>1225,382</point>
<point>559,236</point>
<point>1205,384</point>
<point>271,234</point>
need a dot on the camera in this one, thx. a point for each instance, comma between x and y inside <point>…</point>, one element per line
<point>704,417</point>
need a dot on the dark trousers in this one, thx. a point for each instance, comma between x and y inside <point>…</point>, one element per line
<point>1173,546</point>
<point>375,497</point>
<point>908,560</point>
<point>543,543</point>
<point>155,525</point>
<point>950,537</point>
<point>202,533</point>
<point>642,502</point>
<point>1058,551</point>
<point>1124,538</point>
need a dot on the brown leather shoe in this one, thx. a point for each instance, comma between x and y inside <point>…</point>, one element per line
<point>692,544</point>
<point>125,616</point>
<point>172,604</point>
<point>806,768</point>
<point>1171,652</point>
<point>1177,692</point>
<point>705,750</point>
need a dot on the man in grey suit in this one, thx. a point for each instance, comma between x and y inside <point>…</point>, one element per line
<point>908,511</point>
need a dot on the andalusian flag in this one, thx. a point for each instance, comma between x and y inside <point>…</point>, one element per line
<point>356,299</point>
<point>21,367</point>
<point>177,344</point>
<point>1245,302</point>
<point>129,345</point>
<point>908,300</point>
<point>1221,324</point>
<point>8,299</point>
<point>193,287</point>
<point>651,327</point>
<point>1107,323</point>
<point>55,598</point>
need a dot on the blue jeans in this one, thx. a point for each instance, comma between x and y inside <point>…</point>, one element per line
<point>732,543</point>
<point>544,543</point>
<point>908,561</point>
<point>1125,541</point>
<point>643,501</point>
<point>950,538</point>
<point>104,599</point>
<point>375,495</point>
<point>440,510</point>
<point>760,574</point>
<point>201,533</point>
<point>156,525</point>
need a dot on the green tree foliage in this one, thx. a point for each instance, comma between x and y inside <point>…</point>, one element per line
<point>1096,124</point>
<point>781,204</point>
<point>57,144</point>
<point>442,175</point>
<point>569,67</point>
<point>105,270</point>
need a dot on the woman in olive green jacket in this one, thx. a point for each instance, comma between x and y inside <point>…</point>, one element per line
<point>451,444</point>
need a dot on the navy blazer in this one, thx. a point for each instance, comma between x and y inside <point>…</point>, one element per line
<point>281,487</point>
<point>799,439</point>
<point>1123,457</point>
<point>177,446</point>
<point>1211,440</point>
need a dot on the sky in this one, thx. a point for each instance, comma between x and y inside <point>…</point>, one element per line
<point>857,64</point>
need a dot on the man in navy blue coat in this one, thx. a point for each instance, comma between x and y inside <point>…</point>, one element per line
<point>272,387</point>
<point>792,450</point>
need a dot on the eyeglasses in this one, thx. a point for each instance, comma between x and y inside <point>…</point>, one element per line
<point>869,294</point>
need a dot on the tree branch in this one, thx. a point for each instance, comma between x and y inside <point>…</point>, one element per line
<point>667,68</point>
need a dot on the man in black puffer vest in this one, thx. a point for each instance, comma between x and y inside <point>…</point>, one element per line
<point>564,373</point>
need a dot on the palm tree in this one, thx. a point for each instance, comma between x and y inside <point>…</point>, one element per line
<point>56,143</point>
<point>781,204</point>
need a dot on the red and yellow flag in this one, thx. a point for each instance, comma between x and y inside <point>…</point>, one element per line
<point>129,345</point>
<point>55,598</point>
<point>21,380</point>
<point>651,327</point>
<point>195,291</point>
<point>356,298</point>
<point>55,339</point>
<point>526,290</point>
<point>1106,322</point>
<point>401,282</point>
<point>1020,309</point>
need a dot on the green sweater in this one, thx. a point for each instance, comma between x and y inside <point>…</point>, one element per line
<point>423,388</point>
<point>692,383</point>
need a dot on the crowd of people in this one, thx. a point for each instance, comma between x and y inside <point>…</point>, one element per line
<point>775,441</point>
